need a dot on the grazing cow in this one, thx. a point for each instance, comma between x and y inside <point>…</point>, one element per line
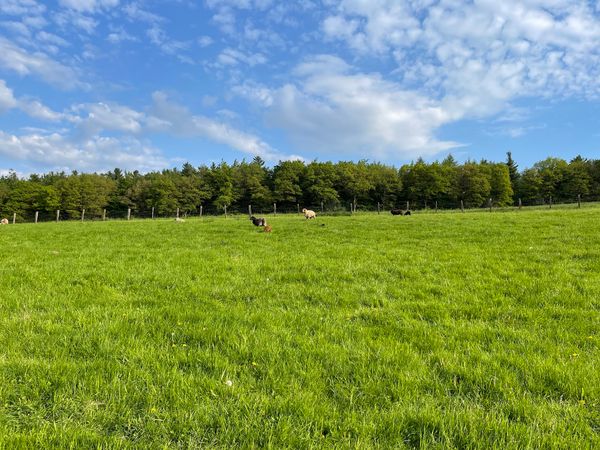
<point>4,221</point>
<point>407,212</point>
<point>397,212</point>
<point>259,222</point>
<point>309,214</point>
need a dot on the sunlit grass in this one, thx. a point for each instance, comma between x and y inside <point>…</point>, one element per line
<point>450,330</point>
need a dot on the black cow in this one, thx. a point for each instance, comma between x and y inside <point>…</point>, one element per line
<point>397,212</point>
<point>259,222</point>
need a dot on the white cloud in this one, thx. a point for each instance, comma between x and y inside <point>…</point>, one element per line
<point>205,41</point>
<point>55,151</point>
<point>169,46</point>
<point>16,59</point>
<point>33,108</point>
<point>470,59</point>
<point>77,19</point>
<point>88,5</point>
<point>37,110</point>
<point>120,35</point>
<point>135,12</point>
<point>175,119</point>
<point>333,108</point>
<point>21,7</point>
<point>50,38</point>
<point>481,54</point>
<point>233,57</point>
<point>7,100</point>
<point>99,117</point>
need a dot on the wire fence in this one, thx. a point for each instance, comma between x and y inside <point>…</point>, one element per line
<point>275,209</point>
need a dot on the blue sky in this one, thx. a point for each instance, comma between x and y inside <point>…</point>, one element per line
<point>90,85</point>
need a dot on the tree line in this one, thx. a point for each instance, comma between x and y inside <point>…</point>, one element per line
<point>363,184</point>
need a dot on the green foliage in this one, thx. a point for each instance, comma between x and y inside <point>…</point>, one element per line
<point>287,177</point>
<point>473,184</point>
<point>288,183</point>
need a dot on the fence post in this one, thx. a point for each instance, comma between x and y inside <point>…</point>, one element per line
<point>322,206</point>
<point>36,216</point>
<point>57,215</point>
<point>377,207</point>
<point>550,202</point>
<point>82,214</point>
<point>490,204</point>
<point>274,209</point>
<point>298,205</point>
<point>520,203</point>
<point>14,218</point>
<point>249,210</point>
<point>178,213</point>
<point>579,200</point>
<point>200,210</point>
<point>462,206</point>
<point>407,205</point>
<point>436,206</point>
<point>153,212</point>
<point>225,208</point>
<point>128,213</point>
<point>103,214</point>
<point>351,211</point>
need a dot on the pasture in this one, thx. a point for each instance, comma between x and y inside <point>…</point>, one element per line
<point>436,330</point>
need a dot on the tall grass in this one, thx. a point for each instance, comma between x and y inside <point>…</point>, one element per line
<point>435,331</point>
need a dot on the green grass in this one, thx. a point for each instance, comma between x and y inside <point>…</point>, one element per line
<point>435,331</point>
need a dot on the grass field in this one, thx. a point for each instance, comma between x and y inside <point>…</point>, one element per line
<point>436,330</point>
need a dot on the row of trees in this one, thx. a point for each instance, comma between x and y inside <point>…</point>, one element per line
<point>335,185</point>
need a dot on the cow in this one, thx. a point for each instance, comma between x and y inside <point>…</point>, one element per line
<point>258,221</point>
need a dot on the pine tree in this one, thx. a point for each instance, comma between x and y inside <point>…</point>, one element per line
<point>513,169</point>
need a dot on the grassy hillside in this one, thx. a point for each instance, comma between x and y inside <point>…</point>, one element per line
<point>451,330</point>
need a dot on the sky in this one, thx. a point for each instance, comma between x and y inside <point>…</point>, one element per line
<point>91,85</point>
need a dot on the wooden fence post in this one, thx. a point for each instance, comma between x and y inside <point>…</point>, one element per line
<point>128,213</point>
<point>436,206</point>
<point>322,209</point>
<point>103,214</point>
<point>200,210</point>
<point>274,209</point>
<point>57,215</point>
<point>153,212</point>
<point>407,205</point>
<point>520,203</point>
<point>225,208</point>
<point>298,205</point>
<point>36,216</point>
<point>579,200</point>
<point>378,208</point>
<point>82,214</point>
<point>351,211</point>
<point>249,210</point>
<point>178,213</point>
<point>490,204</point>
<point>550,202</point>
<point>462,206</point>
<point>14,218</point>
